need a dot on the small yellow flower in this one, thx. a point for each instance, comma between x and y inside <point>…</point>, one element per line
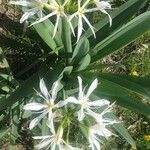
<point>132,148</point>
<point>147,137</point>
<point>134,72</point>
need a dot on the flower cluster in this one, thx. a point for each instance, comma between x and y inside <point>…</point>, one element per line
<point>83,108</point>
<point>82,7</point>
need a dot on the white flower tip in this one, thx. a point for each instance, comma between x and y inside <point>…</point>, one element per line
<point>110,21</point>
<point>96,81</point>
<point>103,5</point>
<point>25,107</point>
<point>105,102</point>
<point>31,126</point>
<point>79,78</point>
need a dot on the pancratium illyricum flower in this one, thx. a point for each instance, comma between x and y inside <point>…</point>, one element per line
<point>56,9</point>
<point>82,10</point>
<point>84,99</point>
<point>46,108</point>
<point>80,14</point>
<point>100,130</point>
<point>30,8</point>
<point>54,141</point>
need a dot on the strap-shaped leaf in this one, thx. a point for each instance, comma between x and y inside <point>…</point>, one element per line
<point>81,49</point>
<point>136,84</point>
<point>122,37</point>
<point>119,127</point>
<point>120,16</point>
<point>83,64</point>
<point>45,30</point>
<point>66,38</point>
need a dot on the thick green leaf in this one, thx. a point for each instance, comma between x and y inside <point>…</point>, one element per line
<point>122,37</point>
<point>45,30</point>
<point>81,49</point>
<point>120,16</point>
<point>66,38</point>
<point>85,61</point>
<point>130,83</point>
<point>119,127</point>
<point>100,66</point>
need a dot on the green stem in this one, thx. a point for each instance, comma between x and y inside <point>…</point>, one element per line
<point>68,132</point>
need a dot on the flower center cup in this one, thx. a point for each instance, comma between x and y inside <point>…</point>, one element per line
<point>81,11</point>
<point>50,106</point>
<point>60,9</point>
<point>83,103</point>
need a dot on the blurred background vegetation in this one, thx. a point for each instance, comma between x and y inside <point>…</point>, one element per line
<point>20,44</point>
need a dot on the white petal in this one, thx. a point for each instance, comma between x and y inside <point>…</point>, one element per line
<point>56,25</point>
<point>26,15</point>
<point>85,4</point>
<point>103,131</point>
<point>53,2</point>
<point>50,123</point>
<point>96,116</point>
<point>69,147</point>
<point>80,27</point>
<point>108,109</point>
<point>34,106</point>
<point>71,27</point>
<point>97,144</point>
<point>80,88</point>
<point>79,4</point>
<point>54,90</point>
<point>61,103</point>
<point>103,5</point>
<point>36,120</point>
<point>81,114</point>
<point>44,18</point>
<point>92,88</point>
<point>72,100</point>
<point>40,14</point>
<point>110,19</point>
<point>41,137</point>
<point>53,146</point>
<point>91,27</point>
<point>99,103</point>
<point>22,3</point>
<point>43,144</point>
<point>43,89</point>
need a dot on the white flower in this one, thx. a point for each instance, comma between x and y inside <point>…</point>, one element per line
<point>57,10</point>
<point>99,130</point>
<point>102,6</point>
<point>94,139</point>
<point>81,15</point>
<point>47,107</point>
<point>30,8</point>
<point>54,141</point>
<point>84,101</point>
<point>96,134</point>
